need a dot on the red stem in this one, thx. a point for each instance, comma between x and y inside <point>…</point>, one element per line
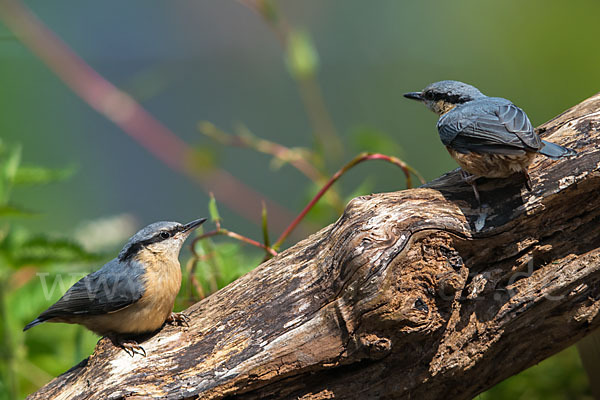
<point>356,160</point>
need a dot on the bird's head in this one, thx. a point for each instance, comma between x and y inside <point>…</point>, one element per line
<point>441,97</point>
<point>164,238</point>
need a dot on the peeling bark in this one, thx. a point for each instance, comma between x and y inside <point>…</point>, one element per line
<point>413,294</point>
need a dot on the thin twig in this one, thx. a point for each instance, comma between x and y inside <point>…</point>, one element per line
<point>237,236</point>
<point>295,157</point>
<point>356,160</point>
<point>310,92</point>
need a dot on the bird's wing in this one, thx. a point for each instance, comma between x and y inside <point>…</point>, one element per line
<point>488,128</point>
<point>112,288</point>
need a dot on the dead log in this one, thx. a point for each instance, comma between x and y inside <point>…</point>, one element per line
<point>415,294</point>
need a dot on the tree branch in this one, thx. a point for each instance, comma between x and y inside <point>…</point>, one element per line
<point>412,294</point>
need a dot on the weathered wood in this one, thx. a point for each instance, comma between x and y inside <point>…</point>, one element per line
<point>414,294</point>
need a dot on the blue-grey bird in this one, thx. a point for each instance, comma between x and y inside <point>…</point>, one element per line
<point>132,294</point>
<point>487,136</point>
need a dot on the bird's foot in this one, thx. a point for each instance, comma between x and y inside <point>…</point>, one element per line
<point>129,346</point>
<point>178,319</point>
<point>470,179</point>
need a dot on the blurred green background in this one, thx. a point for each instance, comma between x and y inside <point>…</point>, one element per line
<point>223,62</point>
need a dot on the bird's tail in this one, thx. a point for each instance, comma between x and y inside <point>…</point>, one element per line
<point>555,151</point>
<point>33,323</point>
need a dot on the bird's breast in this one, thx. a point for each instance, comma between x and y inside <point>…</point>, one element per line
<point>162,281</point>
<point>492,165</point>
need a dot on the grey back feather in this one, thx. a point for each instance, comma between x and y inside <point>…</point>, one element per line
<point>488,125</point>
<point>114,286</point>
<point>556,151</point>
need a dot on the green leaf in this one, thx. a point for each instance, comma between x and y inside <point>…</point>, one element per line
<point>21,249</point>
<point>35,175</point>
<point>9,210</point>
<point>213,210</point>
<point>222,263</point>
<point>8,169</point>
<point>302,58</point>
<point>11,165</point>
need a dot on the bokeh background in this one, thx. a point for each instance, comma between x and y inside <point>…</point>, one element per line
<point>326,76</point>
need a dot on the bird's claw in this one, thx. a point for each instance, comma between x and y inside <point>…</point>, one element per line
<point>470,179</point>
<point>178,319</point>
<point>129,346</point>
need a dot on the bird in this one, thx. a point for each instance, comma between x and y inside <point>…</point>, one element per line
<point>131,295</point>
<point>487,136</point>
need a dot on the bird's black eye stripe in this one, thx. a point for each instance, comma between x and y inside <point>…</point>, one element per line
<point>450,98</point>
<point>428,95</point>
<point>134,248</point>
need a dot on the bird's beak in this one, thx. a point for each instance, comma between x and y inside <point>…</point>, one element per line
<point>193,225</point>
<point>413,95</point>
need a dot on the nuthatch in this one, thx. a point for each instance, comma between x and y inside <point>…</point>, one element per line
<point>132,294</point>
<point>487,136</point>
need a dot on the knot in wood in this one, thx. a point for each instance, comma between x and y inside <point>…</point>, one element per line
<point>375,347</point>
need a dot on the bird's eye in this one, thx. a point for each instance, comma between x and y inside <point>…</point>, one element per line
<point>165,235</point>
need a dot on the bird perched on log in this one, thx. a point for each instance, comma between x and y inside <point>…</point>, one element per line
<point>132,294</point>
<point>487,136</point>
